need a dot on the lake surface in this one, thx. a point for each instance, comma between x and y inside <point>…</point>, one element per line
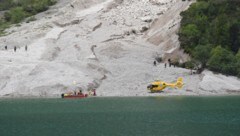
<point>138,116</point>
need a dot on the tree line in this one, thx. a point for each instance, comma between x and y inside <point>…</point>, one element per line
<point>15,11</point>
<point>210,34</point>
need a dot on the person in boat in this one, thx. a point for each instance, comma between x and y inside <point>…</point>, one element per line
<point>80,92</point>
<point>94,92</point>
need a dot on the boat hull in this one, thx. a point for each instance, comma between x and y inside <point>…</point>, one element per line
<point>74,96</point>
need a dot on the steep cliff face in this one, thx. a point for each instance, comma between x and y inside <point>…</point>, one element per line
<point>105,44</point>
<point>164,29</point>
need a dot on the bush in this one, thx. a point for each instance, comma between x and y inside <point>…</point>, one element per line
<point>17,15</point>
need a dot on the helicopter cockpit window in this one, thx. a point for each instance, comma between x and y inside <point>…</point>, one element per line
<point>154,86</point>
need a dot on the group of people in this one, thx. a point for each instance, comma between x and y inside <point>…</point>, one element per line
<point>78,92</point>
<point>165,65</point>
<point>15,48</point>
<point>90,93</point>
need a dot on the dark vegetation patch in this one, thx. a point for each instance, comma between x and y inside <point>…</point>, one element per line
<point>15,11</point>
<point>210,33</point>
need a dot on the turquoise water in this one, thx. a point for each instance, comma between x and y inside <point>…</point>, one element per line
<point>145,116</point>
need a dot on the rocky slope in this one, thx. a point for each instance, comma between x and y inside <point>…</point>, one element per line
<point>105,44</point>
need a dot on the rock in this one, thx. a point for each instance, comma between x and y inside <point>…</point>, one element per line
<point>73,22</point>
<point>144,28</point>
<point>219,83</point>
<point>147,19</point>
<point>97,26</point>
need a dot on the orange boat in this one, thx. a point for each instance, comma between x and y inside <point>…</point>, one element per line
<point>74,95</point>
<point>79,94</point>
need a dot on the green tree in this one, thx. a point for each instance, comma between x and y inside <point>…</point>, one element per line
<point>235,36</point>
<point>202,54</point>
<point>211,23</point>
<point>238,62</point>
<point>189,36</point>
<point>223,61</point>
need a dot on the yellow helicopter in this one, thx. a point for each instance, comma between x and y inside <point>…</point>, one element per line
<point>158,86</point>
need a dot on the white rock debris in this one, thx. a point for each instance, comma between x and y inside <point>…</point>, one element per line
<point>105,44</point>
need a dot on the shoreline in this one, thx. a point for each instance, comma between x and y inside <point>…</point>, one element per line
<point>172,95</point>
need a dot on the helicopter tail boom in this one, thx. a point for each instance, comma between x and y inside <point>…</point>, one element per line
<point>179,83</point>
